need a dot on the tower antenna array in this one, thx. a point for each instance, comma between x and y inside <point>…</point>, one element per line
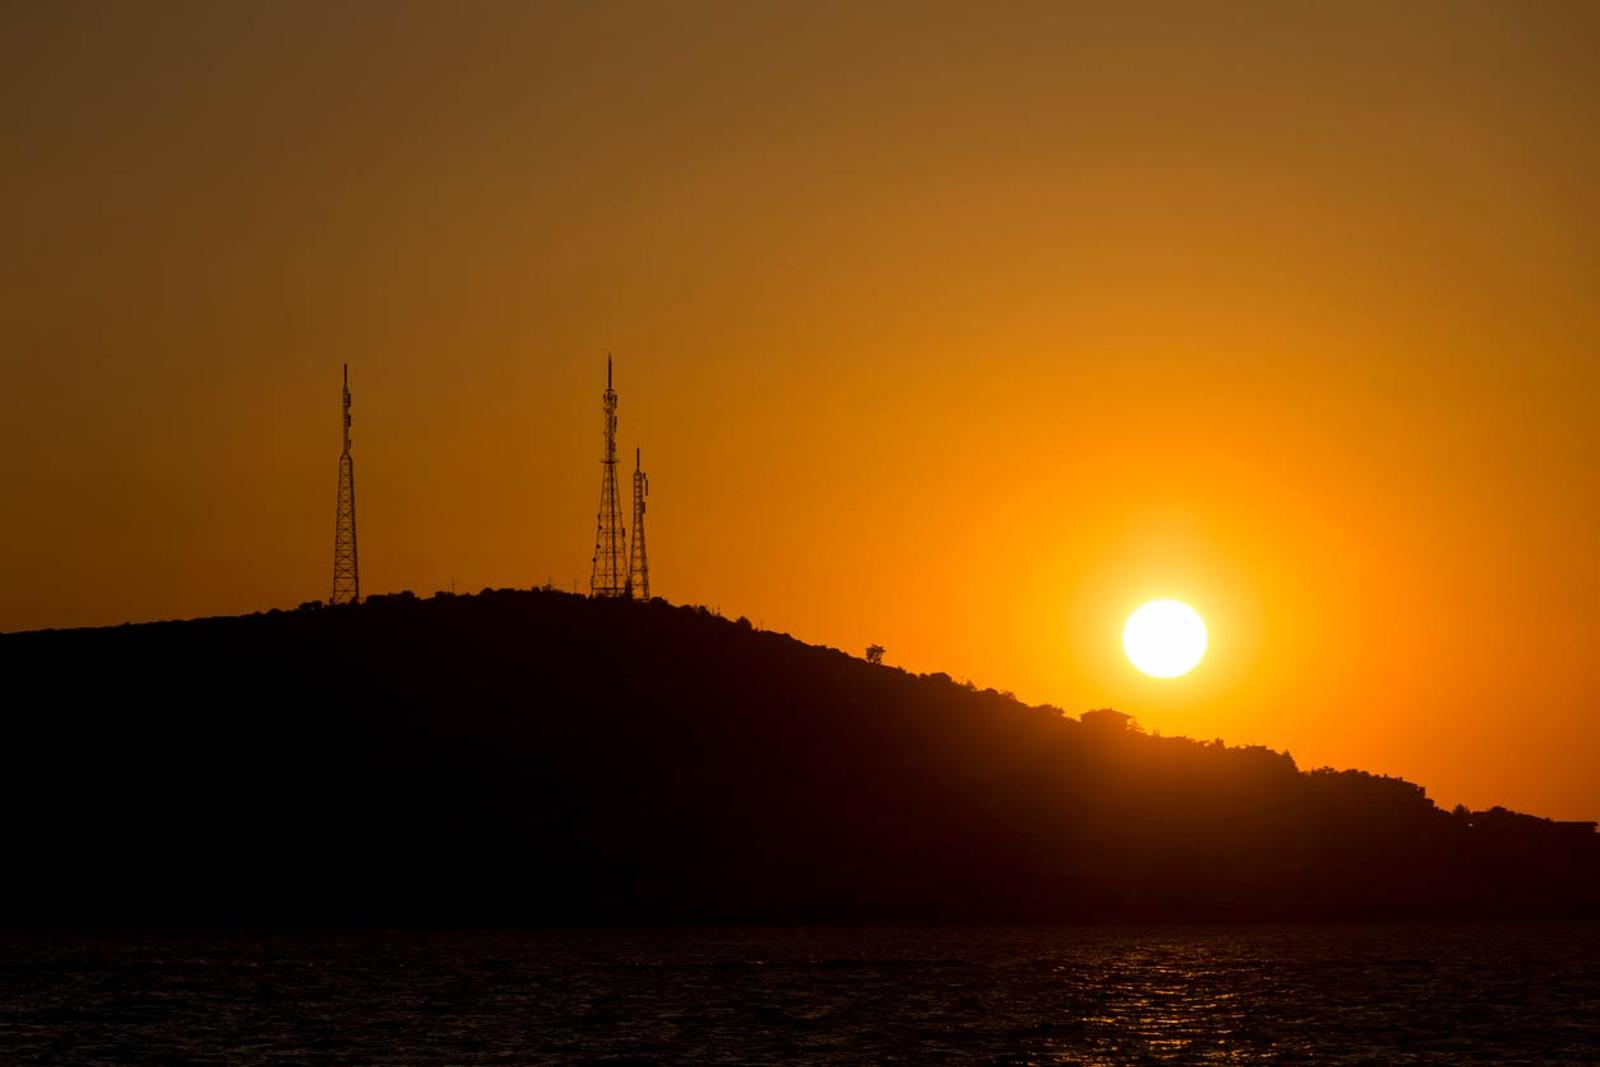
<point>346,574</point>
<point>638,565</point>
<point>608,575</point>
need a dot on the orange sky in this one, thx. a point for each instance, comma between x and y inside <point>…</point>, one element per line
<point>963,330</point>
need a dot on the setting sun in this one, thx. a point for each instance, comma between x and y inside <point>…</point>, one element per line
<point>1165,638</point>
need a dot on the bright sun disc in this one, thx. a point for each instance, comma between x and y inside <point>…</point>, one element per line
<point>1165,638</point>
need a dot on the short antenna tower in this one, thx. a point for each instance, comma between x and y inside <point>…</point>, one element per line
<point>346,573</point>
<point>638,565</point>
<point>608,576</point>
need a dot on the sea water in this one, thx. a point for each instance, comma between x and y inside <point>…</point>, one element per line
<point>1063,995</point>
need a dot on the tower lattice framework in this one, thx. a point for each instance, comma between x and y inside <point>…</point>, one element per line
<point>609,573</point>
<point>346,572</point>
<point>638,565</point>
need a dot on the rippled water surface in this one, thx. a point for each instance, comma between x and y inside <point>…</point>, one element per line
<point>1326,994</point>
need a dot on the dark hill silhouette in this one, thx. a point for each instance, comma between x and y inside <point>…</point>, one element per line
<point>535,757</point>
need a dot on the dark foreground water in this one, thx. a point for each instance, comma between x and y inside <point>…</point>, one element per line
<point>1127,995</point>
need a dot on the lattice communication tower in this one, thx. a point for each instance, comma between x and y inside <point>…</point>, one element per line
<point>346,572</point>
<point>638,565</point>
<point>608,575</point>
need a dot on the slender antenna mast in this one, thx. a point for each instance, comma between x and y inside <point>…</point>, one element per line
<point>346,574</point>
<point>608,575</point>
<point>638,565</point>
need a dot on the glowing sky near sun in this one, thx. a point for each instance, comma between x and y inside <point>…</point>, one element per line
<point>964,330</point>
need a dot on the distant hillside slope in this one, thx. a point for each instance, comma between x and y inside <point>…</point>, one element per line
<point>535,757</point>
